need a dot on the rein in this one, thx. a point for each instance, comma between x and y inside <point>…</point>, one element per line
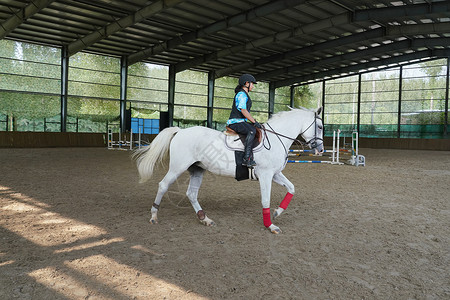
<point>302,144</point>
<point>284,136</point>
<point>312,141</point>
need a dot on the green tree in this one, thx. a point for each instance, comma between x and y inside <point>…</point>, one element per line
<point>304,97</point>
<point>32,71</point>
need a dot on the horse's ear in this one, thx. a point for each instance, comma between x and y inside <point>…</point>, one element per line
<point>319,111</point>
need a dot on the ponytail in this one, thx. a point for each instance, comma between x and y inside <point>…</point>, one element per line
<point>238,89</point>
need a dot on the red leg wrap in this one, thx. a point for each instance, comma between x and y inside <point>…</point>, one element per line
<point>266,217</point>
<point>287,199</point>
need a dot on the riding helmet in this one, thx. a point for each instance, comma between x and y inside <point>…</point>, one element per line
<point>246,77</point>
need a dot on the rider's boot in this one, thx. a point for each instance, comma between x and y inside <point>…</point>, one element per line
<point>248,157</point>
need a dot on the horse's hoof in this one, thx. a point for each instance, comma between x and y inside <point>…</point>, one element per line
<point>209,224</point>
<point>274,229</point>
<point>153,221</point>
<point>277,212</point>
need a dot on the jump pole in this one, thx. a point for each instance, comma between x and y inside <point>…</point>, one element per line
<point>131,139</point>
<point>334,140</point>
<point>356,160</point>
<point>337,146</point>
<point>334,151</point>
<point>311,161</point>
<point>119,143</point>
<point>139,138</point>
<point>306,151</point>
<point>110,139</point>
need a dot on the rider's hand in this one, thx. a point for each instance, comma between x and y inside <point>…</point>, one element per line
<point>257,125</point>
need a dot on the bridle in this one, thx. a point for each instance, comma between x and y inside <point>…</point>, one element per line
<point>312,142</point>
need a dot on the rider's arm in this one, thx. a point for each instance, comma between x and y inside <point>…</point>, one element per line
<point>247,115</point>
<point>241,104</point>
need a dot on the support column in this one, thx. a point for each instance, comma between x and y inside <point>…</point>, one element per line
<point>271,98</point>
<point>123,93</point>
<point>292,95</point>
<point>399,118</point>
<point>211,81</point>
<point>446,99</point>
<point>171,96</point>
<point>64,87</point>
<point>358,117</point>
<point>323,103</point>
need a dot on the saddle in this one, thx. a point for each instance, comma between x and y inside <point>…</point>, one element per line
<point>236,141</point>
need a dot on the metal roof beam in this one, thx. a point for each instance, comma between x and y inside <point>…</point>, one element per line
<point>388,32</point>
<point>342,19</point>
<point>418,29</point>
<point>359,55</point>
<point>22,15</point>
<point>343,41</point>
<point>277,37</point>
<point>368,65</point>
<point>257,12</point>
<point>118,25</point>
<point>392,12</point>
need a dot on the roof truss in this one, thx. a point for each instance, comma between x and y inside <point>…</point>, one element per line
<point>282,41</point>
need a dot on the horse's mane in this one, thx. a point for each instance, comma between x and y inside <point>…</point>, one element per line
<point>282,114</point>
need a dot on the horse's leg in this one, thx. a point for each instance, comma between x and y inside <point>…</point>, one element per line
<point>163,186</point>
<point>192,193</point>
<point>265,182</point>
<point>282,180</point>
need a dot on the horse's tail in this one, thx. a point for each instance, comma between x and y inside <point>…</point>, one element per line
<point>147,157</point>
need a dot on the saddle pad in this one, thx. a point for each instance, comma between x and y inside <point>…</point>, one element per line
<point>234,143</point>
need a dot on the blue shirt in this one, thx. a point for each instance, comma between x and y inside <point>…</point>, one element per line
<point>241,103</point>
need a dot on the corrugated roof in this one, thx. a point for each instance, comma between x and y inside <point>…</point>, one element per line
<point>285,42</point>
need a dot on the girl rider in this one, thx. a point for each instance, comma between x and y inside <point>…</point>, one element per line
<point>241,120</point>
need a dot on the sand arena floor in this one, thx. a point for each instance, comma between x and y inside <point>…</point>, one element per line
<point>74,225</point>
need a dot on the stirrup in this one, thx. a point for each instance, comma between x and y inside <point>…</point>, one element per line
<point>249,163</point>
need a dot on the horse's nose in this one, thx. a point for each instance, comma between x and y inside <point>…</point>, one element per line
<point>319,150</point>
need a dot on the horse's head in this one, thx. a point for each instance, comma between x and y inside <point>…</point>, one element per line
<point>313,134</point>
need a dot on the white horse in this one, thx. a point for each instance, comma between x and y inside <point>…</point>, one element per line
<point>197,149</point>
